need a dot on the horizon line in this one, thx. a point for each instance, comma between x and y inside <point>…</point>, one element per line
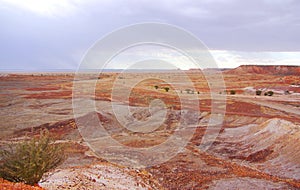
<point>138,69</point>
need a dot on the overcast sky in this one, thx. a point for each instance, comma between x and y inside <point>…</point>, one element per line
<point>55,34</point>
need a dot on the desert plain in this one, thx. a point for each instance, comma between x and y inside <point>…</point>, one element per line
<point>256,144</point>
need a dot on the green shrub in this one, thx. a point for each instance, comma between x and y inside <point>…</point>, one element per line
<point>232,92</point>
<point>167,89</point>
<point>258,92</point>
<point>269,93</point>
<point>156,87</point>
<point>29,160</point>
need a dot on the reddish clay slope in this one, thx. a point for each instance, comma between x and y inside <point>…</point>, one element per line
<point>4,184</point>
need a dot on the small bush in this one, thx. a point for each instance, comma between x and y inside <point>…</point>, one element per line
<point>167,89</point>
<point>188,90</point>
<point>258,92</point>
<point>232,92</point>
<point>156,87</point>
<point>28,161</point>
<point>269,93</point>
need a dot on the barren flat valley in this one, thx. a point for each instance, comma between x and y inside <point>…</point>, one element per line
<point>255,144</point>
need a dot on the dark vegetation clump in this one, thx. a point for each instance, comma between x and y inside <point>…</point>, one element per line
<point>258,92</point>
<point>27,161</point>
<point>232,92</point>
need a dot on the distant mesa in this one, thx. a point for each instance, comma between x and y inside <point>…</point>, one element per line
<point>207,70</point>
<point>194,69</point>
<point>266,69</point>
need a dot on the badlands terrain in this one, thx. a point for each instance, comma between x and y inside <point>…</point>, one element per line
<point>256,142</point>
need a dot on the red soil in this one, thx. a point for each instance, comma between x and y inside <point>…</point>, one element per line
<point>7,185</point>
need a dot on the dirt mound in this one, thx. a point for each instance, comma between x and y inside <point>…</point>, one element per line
<point>266,69</point>
<point>273,146</point>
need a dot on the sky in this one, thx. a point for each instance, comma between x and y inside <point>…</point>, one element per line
<point>38,35</point>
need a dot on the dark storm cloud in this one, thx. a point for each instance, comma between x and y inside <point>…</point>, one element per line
<point>43,38</point>
<point>232,25</point>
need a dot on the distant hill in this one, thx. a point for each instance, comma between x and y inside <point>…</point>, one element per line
<point>266,69</point>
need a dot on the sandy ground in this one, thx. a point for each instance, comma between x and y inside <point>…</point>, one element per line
<point>257,147</point>
<point>98,176</point>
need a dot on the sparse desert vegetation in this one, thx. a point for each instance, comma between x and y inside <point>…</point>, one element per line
<point>27,161</point>
<point>257,144</point>
<point>150,95</point>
